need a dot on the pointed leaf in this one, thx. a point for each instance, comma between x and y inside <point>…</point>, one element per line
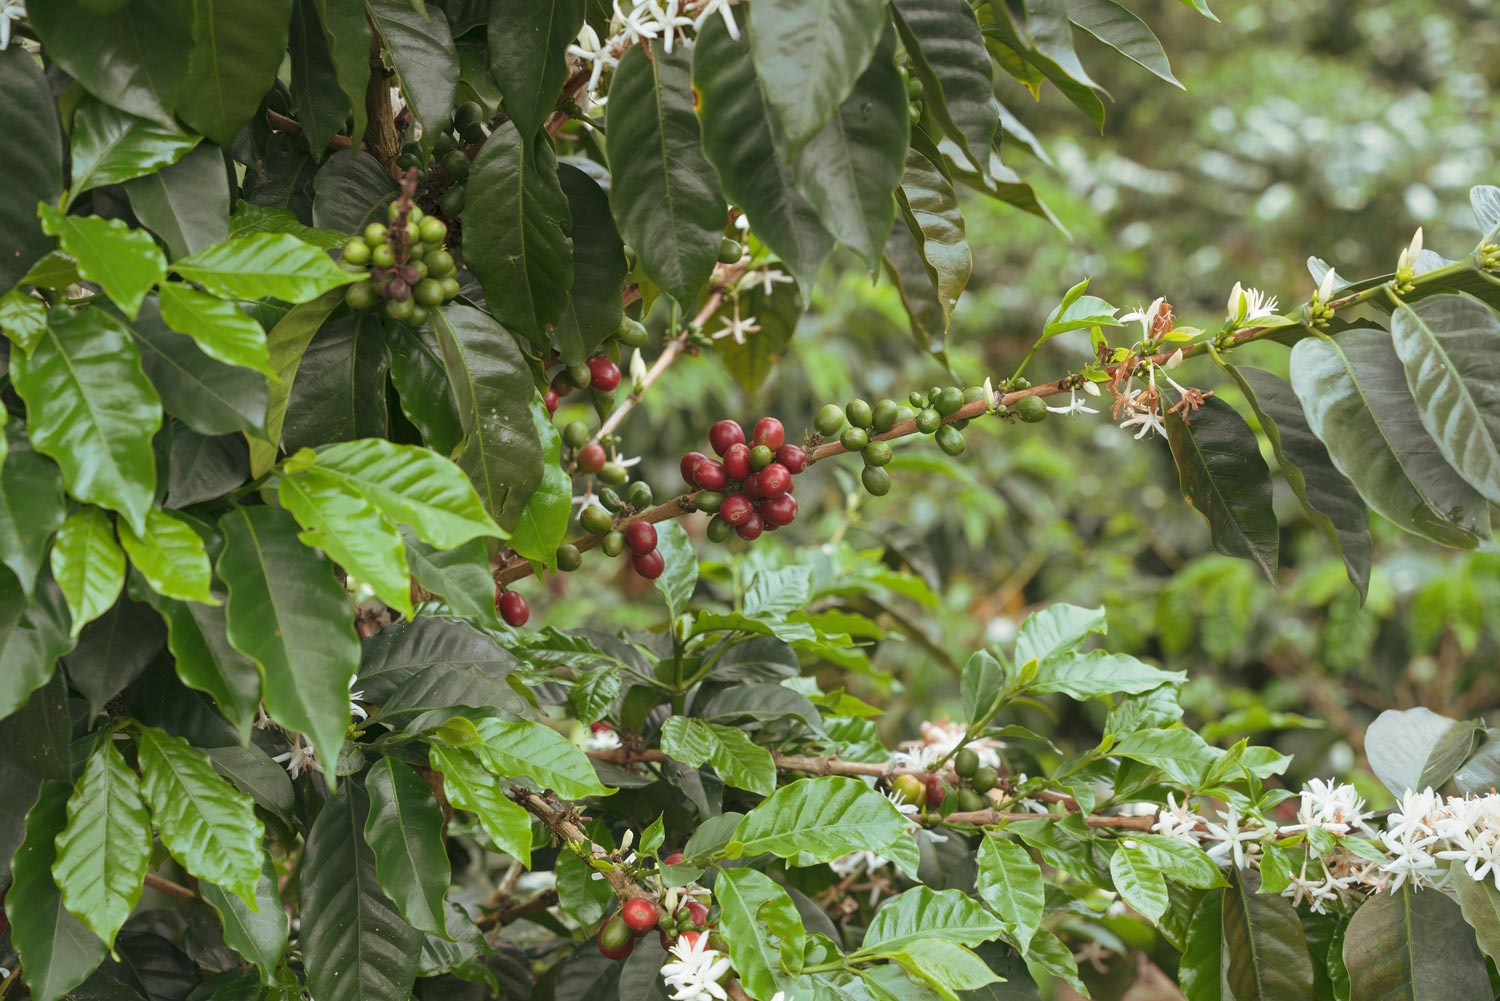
<point>346,29</point>
<point>1480,901</point>
<point>930,208</point>
<point>522,749</point>
<point>405,831</point>
<point>819,820</point>
<point>286,342</point>
<point>421,47</point>
<point>1412,944</point>
<point>528,43</point>
<point>28,117</point>
<point>1011,882</point>
<point>103,852</point>
<point>88,565</point>
<point>947,50</point>
<point>171,556</point>
<point>318,103</point>
<point>198,636</point>
<point>186,204</point>
<point>31,509</point>
<point>1266,947</point>
<point>422,385</point>
<point>265,265</point>
<point>351,191</point>
<point>1139,882</point>
<point>594,307</point>
<point>32,636</point>
<point>1122,31</point>
<point>237,49</point>
<point>544,524</point>
<point>259,934</point>
<point>221,328</point>
<point>469,786</point>
<point>763,927</point>
<point>125,262</point>
<point>110,146</point>
<point>923,912</point>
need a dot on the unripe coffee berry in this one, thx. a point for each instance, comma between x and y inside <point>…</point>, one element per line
<point>1031,409</point>
<point>768,432</point>
<point>736,508</point>
<point>830,418</point>
<point>640,496</point>
<point>985,779</point>
<point>640,915</point>
<point>775,480</point>
<point>762,456</point>
<point>916,399</point>
<point>433,231</point>
<point>614,474</point>
<point>793,457</point>
<point>592,457</point>
<point>357,251</point>
<point>878,453</point>
<point>751,486</point>
<point>709,500</point>
<point>513,608</point>
<point>725,433</point>
<point>375,234</point>
<point>456,165</point>
<point>633,333</point>
<point>575,434</point>
<point>595,520</point>
<point>966,763</point>
<point>876,480</point>
<point>719,530</point>
<point>911,789</point>
<point>689,467</point>
<point>383,256</point>
<point>604,375</point>
<point>615,939</point>
<point>750,528</point>
<point>569,558</point>
<point>950,439</point>
<point>649,565</point>
<point>859,413</point>
<point>613,544</point>
<point>737,461</point>
<point>929,420</point>
<point>973,394</point>
<point>884,415</point>
<point>611,500</point>
<point>854,439</point>
<point>949,401</point>
<point>970,801</point>
<point>710,475</point>
<point>779,510</point>
<point>580,375</point>
<point>640,537</point>
<point>730,251</point>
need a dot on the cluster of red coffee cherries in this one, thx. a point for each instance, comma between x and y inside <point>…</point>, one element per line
<point>748,489</point>
<point>599,373</point>
<point>637,916</point>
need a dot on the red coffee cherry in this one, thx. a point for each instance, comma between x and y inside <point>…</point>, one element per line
<point>673,859</point>
<point>591,457</point>
<point>551,399</point>
<point>793,457</point>
<point>698,913</point>
<point>604,375</point>
<point>649,565</point>
<point>779,510</point>
<point>751,527</point>
<point>560,384</point>
<point>710,475</point>
<point>615,939</point>
<point>936,790</point>
<point>689,466</point>
<point>513,608</point>
<point>725,433</point>
<point>769,432</point>
<point>751,486</point>
<point>640,537</point>
<point>640,915</point>
<point>737,461</point>
<point>775,480</point>
<point>736,508</point>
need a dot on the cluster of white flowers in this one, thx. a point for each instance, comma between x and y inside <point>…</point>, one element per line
<point>939,739</point>
<point>694,970</point>
<point>635,21</point>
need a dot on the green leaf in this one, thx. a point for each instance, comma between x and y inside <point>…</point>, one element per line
<point>422,385</point>
<point>111,146</point>
<point>23,318</point>
<point>56,950</point>
<point>257,933</point>
<point>222,330</point>
<point>1266,947</point>
<point>197,635</point>
<point>925,913</point>
<point>1098,672</point>
<point>351,191</point>
<point>88,565</point>
<point>1480,901</point>
<point>931,211</point>
<point>1011,882</point>
<point>134,58</point>
<point>355,945</point>
<point>426,61</point>
<point>1180,753</point>
<point>286,342</point>
<point>849,169</point>
<point>1328,499</point>
<point>318,103</point>
<point>1201,971</point>
<point>740,762</point>
<point>808,55</point>
<point>405,831</point>
<point>340,393</point>
<point>1179,860</point>
<point>1122,31</point>
<point>528,43</point>
<point>983,680</point>
<point>765,933</point>
<point>544,523</point>
<point>1004,30</point>
<point>594,302</point>
<point>1447,344</point>
<point>32,636</point>
<point>664,194</point>
<point>28,118</point>
<point>344,524</point>
<point>460,576</point>
<point>680,578</point>
<point>947,51</point>
<point>1221,473</point>
<point>1139,883</point>
<point>521,749</point>
<point>819,820</point>
<point>265,265</point>
<point>171,556</point>
<point>1357,402</point>
<point>347,32</point>
<point>208,825</point>
<point>103,853</point>
<point>287,613</point>
<point>907,270</point>
<point>1080,314</point>
<point>186,204</point>
<point>1057,629</point>
<point>739,140</point>
<point>492,390</point>
<point>125,262</point>
<point>1416,748</point>
<point>688,740</point>
<point>1412,944</point>
<point>776,313</point>
<point>237,49</point>
<point>469,786</point>
<point>112,652</point>
<point>203,467</point>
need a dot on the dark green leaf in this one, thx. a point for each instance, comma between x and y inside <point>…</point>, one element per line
<point>112,652</point>
<point>32,637</point>
<point>103,852</point>
<point>527,42</point>
<point>422,385</point>
<point>1480,901</point>
<point>88,565</point>
<point>460,576</point>
<point>1009,36</point>
<point>594,306</point>
<point>930,208</point>
<point>339,394</point>
<point>319,104</point>
<point>1412,944</point>
<point>544,523</point>
<point>405,831</point>
<point>204,466</point>
<point>1221,473</point>
<point>680,578</point>
<point>776,313</point>
<point>111,146</point>
<point>406,651</point>
<point>426,62</point>
<point>347,32</point>
<point>1122,31</point>
<point>522,749</point>
<point>28,118</point>
<point>1201,970</point>
<point>285,344</point>
<point>125,262</point>
<point>257,934</point>
<point>1416,748</point>
<point>1266,948</point>
<point>186,204</point>
<point>237,49</point>
<point>197,635</point>
<point>351,191</point>
<point>943,40</point>
<point>907,270</point>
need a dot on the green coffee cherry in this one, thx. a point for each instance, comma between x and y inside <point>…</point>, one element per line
<point>916,399</point>
<point>439,263</point>
<point>970,801</point>
<point>854,439</point>
<point>730,251</point>
<point>985,779</point>
<point>719,530</point>
<point>929,420</point>
<point>639,496</point>
<point>613,544</point>
<point>632,333</point>
<point>1031,409</point>
<point>878,453</point>
<point>950,439</point>
<point>569,558</point>
<point>357,251</point>
<point>468,113</point>
<point>830,418</point>
<point>614,474</point>
<point>452,202</point>
<point>429,292</point>
<point>611,501</point>
<point>966,763</point>
<point>361,296</point>
<point>858,412</point>
<point>383,256</point>
<point>443,144</point>
<point>399,309</point>
<point>595,519</point>
<point>885,415</point>
<point>973,394</point>
<point>418,316</point>
<point>575,434</point>
<point>375,234</point>
<point>434,231</point>
<point>1020,383</point>
<point>761,456</point>
<point>580,376</point>
<point>905,413</point>
<point>451,288</point>
<point>948,402</point>
<point>456,165</point>
<point>709,500</point>
<point>876,480</point>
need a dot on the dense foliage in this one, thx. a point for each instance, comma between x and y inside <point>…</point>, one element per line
<point>322,322</point>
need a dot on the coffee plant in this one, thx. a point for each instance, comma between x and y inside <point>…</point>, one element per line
<point>323,320</point>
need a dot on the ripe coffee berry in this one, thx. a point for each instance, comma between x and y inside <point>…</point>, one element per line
<point>604,375</point>
<point>775,480</point>
<point>591,457</point>
<point>936,790</point>
<point>551,399</point>
<point>769,432</point>
<point>710,475</point>
<point>751,487</point>
<point>615,939</point>
<point>689,466</point>
<point>513,608</point>
<point>779,510</point>
<point>640,915</point>
<point>640,537</point>
<point>725,433</point>
<point>793,457</point>
<point>697,913</point>
<point>737,461</point>
<point>649,565</point>
<point>673,859</point>
<point>751,527</point>
<point>736,509</point>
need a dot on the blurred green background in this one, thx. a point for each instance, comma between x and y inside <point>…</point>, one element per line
<point>1329,129</point>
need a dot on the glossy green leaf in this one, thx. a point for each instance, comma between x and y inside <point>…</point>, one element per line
<point>1417,748</point>
<point>422,385</point>
<point>237,49</point>
<point>222,330</point>
<point>738,138</point>
<point>28,117</point>
<point>125,262</point>
<point>113,651</point>
<point>679,579</point>
<point>186,204</point>
<point>88,565</point>
<point>1122,31</point>
<point>285,343</point>
<point>544,523</point>
<point>1181,754</point>
<point>288,614</point>
<point>528,43</point>
<point>340,393</point>
<point>92,410</point>
<point>57,952</point>
<point>1200,973</point>
<point>111,146</point>
<point>339,520</point>
<point>808,54</point>
<point>422,50</point>
<point>346,29</point>
<point>521,749</point>
<point>1181,861</point>
<point>492,390</point>
<point>319,105</point>
<point>776,313</point>
<point>1265,945</point>
<point>405,831</point>
<point>355,945</point>
<point>260,933</point>
<point>208,825</point>
<point>849,168</point>
<point>1412,944</point>
<point>1222,474</point>
<point>923,913</point>
<point>460,576</point>
<point>103,852</point>
<point>198,636</point>
<point>739,761</point>
<point>171,556</point>
<point>351,191</point>
<point>32,636</point>
<point>947,51</point>
<point>469,786</point>
<point>930,207</point>
<point>1357,402</point>
<point>764,930</point>
<point>514,223</point>
<point>1010,35</point>
<point>907,270</point>
<point>1480,901</point>
<point>263,265</point>
<point>207,395</point>
<point>1011,882</point>
<point>1327,497</point>
<point>594,307</point>
<point>1099,672</point>
<point>1140,884</point>
<point>664,193</point>
<point>1057,629</point>
<point>23,318</point>
<point>818,820</point>
<point>203,467</point>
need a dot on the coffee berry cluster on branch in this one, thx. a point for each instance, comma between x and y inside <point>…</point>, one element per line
<point>410,269</point>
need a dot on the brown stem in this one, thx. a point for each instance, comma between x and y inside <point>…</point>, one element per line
<point>515,912</point>
<point>163,885</point>
<point>983,818</point>
<point>564,827</point>
<point>290,126</point>
<point>381,137</point>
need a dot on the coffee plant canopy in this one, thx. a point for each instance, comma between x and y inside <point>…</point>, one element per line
<point>291,293</point>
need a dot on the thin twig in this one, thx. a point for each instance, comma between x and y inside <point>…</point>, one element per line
<point>163,885</point>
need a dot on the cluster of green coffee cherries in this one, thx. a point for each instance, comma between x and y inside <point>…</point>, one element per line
<point>971,794</point>
<point>857,424</point>
<point>410,269</point>
<point>447,165</point>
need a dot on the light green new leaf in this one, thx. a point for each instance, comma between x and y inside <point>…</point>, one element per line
<point>1179,860</point>
<point>469,786</point>
<point>426,61</point>
<point>111,146</point>
<point>125,262</point>
<point>265,265</point>
<point>1139,882</point>
<point>687,740</point>
<point>765,932</point>
<point>221,328</point>
<point>1057,629</point>
<point>1122,31</point>
<point>171,556</point>
<point>405,831</point>
<point>819,820</point>
<point>521,749</point>
<point>287,612</point>
<point>741,762</point>
<point>1098,672</point>
<point>88,565</point>
<point>208,825</point>
<point>237,49</point>
<point>1180,753</point>
<point>1011,882</point>
<point>924,913</point>
<point>103,853</point>
<point>258,933</point>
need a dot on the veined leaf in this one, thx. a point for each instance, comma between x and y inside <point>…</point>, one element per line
<point>404,829</point>
<point>125,262</point>
<point>286,342</point>
<point>947,50</point>
<point>171,556</point>
<point>88,565</point>
<point>521,749</point>
<point>1099,672</point>
<point>237,49</point>
<point>28,118</point>
<point>1412,944</point>
<point>1011,882</point>
<point>347,32</point>
<point>265,265</point>
<point>221,328</point>
<point>594,304</point>
<point>544,523</point>
<point>1140,884</point>
<point>1122,31</point>
<point>259,934</point>
<point>931,210</point>
<point>765,932</point>
<point>421,48</point>
<point>33,634</point>
<point>103,853</point>
<point>527,42</point>
<point>818,820</point>
<point>198,637</point>
<point>1266,947</point>
<point>469,786</point>
<point>319,104</point>
<point>923,912</point>
<point>111,146</point>
<point>1480,901</point>
<point>186,204</point>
